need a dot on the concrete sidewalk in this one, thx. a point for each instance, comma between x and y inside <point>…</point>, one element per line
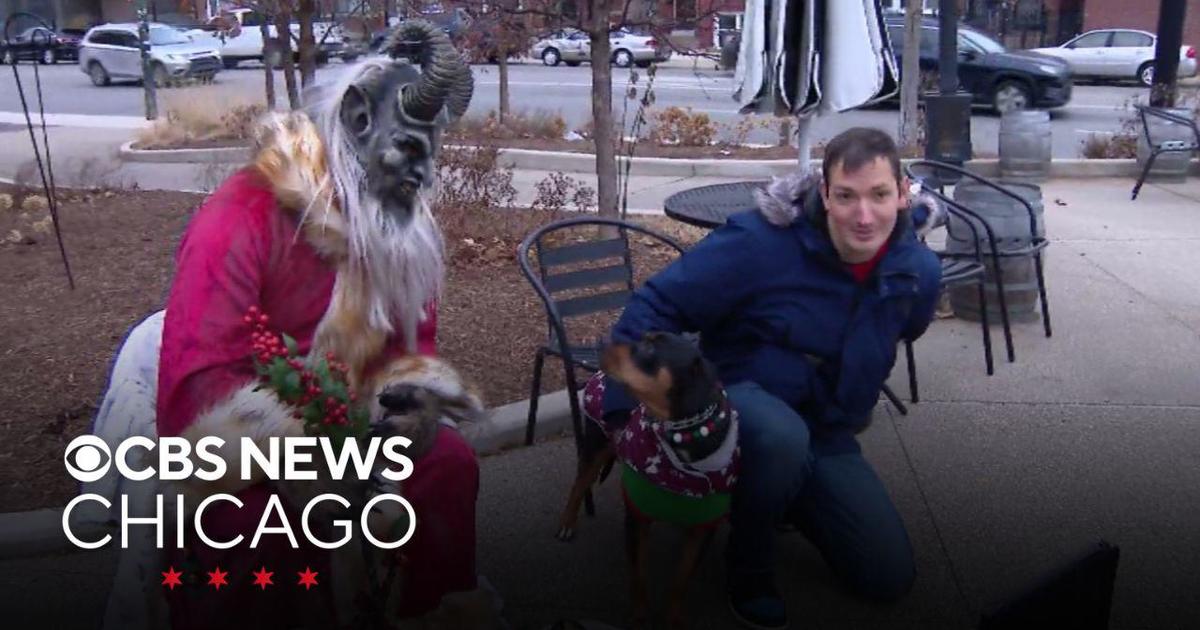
<point>1091,434</point>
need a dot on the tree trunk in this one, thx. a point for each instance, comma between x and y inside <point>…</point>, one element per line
<point>283,43</point>
<point>502,61</point>
<point>268,69</point>
<point>308,43</point>
<point>910,73</point>
<point>602,114</point>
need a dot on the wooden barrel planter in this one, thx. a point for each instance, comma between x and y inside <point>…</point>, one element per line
<point>1010,223</point>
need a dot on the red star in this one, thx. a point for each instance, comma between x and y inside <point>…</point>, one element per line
<point>216,579</point>
<point>308,578</point>
<point>171,578</point>
<point>262,578</point>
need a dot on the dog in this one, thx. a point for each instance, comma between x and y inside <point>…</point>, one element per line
<point>676,451</point>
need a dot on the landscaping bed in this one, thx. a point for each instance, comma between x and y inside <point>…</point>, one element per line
<point>59,343</point>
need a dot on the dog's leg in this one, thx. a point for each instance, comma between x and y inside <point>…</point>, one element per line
<point>589,472</point>
<point>637,534</point>
<point>693,548</point>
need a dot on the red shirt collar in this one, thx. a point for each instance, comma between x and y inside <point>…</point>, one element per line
<point>861,270</point>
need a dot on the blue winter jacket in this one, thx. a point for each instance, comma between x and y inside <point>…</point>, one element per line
<point>774,304</point>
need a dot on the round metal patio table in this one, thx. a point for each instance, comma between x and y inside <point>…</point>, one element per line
<point>710,206</point>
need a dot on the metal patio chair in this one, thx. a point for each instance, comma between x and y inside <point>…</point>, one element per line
<point>1165,146</point>
<point>603,284</point>
<point>958,268</point>
<point>957,271</point>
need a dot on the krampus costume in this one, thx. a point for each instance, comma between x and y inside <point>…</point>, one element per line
<point>329,233</point>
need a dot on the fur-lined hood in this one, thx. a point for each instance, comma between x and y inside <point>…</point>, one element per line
<point>797,195</point>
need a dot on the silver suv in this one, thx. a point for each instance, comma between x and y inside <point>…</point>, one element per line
<point>112,51</point>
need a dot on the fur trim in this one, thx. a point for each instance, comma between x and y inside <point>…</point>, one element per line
<point>936,216</point>
<point>783,200</point>
<point>433,390</point>
<point>249,412</point>
<point>291,156</point>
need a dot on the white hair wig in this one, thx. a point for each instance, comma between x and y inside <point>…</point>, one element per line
<point>403,264</point>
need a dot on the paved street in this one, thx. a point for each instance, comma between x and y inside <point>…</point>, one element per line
<point>566,90</point>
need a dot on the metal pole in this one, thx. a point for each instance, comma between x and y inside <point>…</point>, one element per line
<point>1166,52</point>
<point>804,142</point>
<point>147,70</point>
<point>948,46</point>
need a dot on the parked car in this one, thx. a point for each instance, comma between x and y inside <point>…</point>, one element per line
<point>238,35</point>
<point>574,47</point>
<point>1117,53</point>
<point>42,45</point>
<point>1006,80</point>
<point>113,51</point>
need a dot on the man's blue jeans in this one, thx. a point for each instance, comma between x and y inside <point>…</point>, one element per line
<point>837,501</point>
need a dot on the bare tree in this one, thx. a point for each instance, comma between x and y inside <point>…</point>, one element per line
<point>910,73</point>
<point>598,19</point>
<point>268,66</point>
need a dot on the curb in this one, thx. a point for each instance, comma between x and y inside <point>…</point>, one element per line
<point>567,162</point>
<point>184,156</point>
<point>39,532</point>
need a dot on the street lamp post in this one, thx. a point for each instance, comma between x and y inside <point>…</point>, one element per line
<point>147,69</point>
<point>948,113</point>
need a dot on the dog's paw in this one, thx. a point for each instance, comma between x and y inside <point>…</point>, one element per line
<point>566,533</point>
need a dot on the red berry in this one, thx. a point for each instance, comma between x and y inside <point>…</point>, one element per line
<point>353,397</point>
<point>263,319</point>
<point>248,319</point>
<point>253,310</point>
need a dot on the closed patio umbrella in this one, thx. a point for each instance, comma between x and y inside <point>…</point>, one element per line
<point>805,57</point>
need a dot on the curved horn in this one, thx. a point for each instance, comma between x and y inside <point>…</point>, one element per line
<point>442,69</point>
<point>460,93</point>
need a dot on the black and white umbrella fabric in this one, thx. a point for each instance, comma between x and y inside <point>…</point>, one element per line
<point>802,57</point>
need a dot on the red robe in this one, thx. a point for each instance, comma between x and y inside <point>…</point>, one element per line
<point>241,249</point>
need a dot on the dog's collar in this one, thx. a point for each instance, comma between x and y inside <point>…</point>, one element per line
<point>700,425</point>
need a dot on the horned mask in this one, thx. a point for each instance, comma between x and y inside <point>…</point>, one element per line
<point>393,114</point>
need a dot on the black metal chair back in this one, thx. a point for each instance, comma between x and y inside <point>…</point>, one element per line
<point>1146,112</point>
<point>574,280</point>
<point>1035,243</point>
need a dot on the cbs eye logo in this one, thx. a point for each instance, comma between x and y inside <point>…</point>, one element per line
<point>87,458</point>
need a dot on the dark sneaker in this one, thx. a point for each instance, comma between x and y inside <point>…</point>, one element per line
<point>757,604</point>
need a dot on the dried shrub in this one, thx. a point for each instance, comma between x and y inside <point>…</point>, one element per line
<point>680,127</point>
<point>474,206</point>
<point>542,124</point>
<point>202,117</point>
<point>1121,144</point>
<point>735,135</point>
<point>1105,146</point>
<point>557,192</point>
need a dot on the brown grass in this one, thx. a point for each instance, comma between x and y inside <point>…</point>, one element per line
<point>537,123</point>
<point>202,117</point>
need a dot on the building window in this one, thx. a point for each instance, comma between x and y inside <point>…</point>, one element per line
<point>685,11</point>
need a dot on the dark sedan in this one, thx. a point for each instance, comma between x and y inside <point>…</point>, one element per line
<point>1006,80</point>
<point>41,45</point>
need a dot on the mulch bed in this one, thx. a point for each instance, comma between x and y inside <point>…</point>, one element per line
<point>59,343</point>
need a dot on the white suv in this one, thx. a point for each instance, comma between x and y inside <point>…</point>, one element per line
<point>112,51</point>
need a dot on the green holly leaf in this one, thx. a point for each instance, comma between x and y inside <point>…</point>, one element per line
<point>277,374</point>
<point>290,344</point>
<point>291,386</point>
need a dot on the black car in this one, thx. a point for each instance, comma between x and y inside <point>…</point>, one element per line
<point>42,45</point>
<point>1006,80</point>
